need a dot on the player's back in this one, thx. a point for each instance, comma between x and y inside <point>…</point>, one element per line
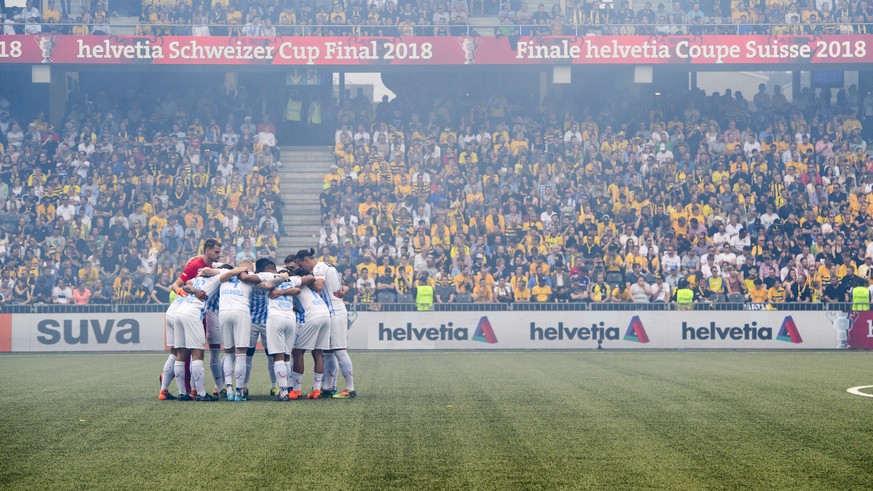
<point>235,295</point>
<point>193,305</point>
<point>258,306</point>
<point>310,305</point>
<point>332,283</point>
<point>282,305</point>
<point>174,305</point>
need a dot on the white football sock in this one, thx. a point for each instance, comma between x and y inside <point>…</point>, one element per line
<point>297,380</point>
<point>316,381</point>
<point>179,372</point>
<point>288,371</point>
<point>215,366</point>
<point>248,371</point>
<point>197,376</point>
<point>169,372</point>
<point>241,372</point>
<point>270,363</point>
<point>345,364</point>
<point>329,370</point>
<point>227,366</point>
<point>281,377</point>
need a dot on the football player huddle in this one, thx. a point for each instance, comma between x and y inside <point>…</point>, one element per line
<point>291,310</point>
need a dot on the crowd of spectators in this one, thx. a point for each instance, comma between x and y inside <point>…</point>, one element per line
<point>448,17</point>
<point>252,18</point>
<point>109,206</point>
<point>617,17</point>
<point>510,200</point>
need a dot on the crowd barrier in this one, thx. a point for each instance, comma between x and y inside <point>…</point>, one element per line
<point>46,328</point>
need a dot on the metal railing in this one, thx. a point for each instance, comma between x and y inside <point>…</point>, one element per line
<point>456,307</point>
<point>590,306</point>
<point>712,26</point>
<point>83,309</point>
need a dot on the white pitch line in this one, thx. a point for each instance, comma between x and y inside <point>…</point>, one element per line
<point>857,391</point>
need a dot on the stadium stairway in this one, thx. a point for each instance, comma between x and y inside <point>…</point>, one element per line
<point>484,26</point>
<point>300,180</point>
<point>123,26</point>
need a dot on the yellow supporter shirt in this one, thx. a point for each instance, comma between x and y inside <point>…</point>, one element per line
<point>759,295</point>
<point>541,293</point>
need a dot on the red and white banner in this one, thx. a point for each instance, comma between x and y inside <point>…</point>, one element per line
<point>860,327</point>
<point>463,50</point>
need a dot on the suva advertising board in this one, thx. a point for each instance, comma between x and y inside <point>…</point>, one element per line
<point>87,332</point>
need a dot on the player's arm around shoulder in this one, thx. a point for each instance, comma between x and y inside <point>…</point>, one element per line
<point>248,277</point>
<point>228,274</point>
<point>309,281</point>
<point>266,281</point>
<point>291,292</point>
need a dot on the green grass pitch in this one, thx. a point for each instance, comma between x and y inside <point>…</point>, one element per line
<point>462,420</point>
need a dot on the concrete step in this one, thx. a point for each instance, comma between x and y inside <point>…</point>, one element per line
<point>301,177</point>
<point>302,241</point>
<point>314,156</point>
<point>303,208</point>
<point>307,176</point>
<point>309,164</point>
<point>122,26</point>
<point>305,148</point>
<point>299,197</point>
<point>302,200</point>
<point>306,226</point>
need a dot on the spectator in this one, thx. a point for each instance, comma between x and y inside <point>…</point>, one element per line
<point>61,293</point>
<point>81,295</point>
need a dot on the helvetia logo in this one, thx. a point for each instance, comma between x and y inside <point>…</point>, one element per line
<point>636,333</point>
<point>789,332</point>
<point>484,333</point>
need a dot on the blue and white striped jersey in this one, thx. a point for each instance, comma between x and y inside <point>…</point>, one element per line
<point>259,306</point>
<point>212,303</point>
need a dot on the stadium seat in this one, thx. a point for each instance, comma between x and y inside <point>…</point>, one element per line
<point>736,298</point>
<point>717,297</point>
<point>405,298</point>
<point>386,297</point>
<point>614,279</point>
<point>463,298</point>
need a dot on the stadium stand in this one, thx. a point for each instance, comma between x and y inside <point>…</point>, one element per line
<point>424,18</point>
<point>112,203</point>
<point>759,200</point>
<point>506,200</point>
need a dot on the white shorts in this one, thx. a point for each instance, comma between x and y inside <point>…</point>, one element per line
<point>339,331</point>
<point>189,332</point>
<point>169,325</point>
<point>236,329</point>
<point>213,329</point>
<point>280,334</point>
<point>314,334</point>
<point>254,332</point>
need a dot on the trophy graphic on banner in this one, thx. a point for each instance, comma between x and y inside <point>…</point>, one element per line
<point>842,324</point>
<point>469,46</point>
<point>46,46</point>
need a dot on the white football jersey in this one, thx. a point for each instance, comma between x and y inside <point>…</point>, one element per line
<point>175,305</point>
<point>332,283</point>
<point>235,296</point>
<point>284,305</point>
<point>310,305</point>
<point>193,305</point>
